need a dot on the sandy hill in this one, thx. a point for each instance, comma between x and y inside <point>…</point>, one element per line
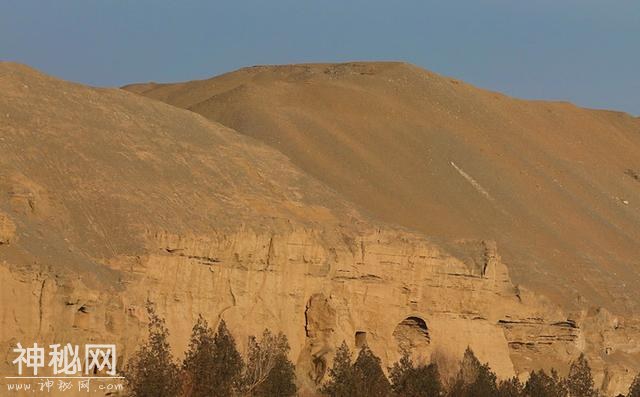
<point>556,185</point>
<point>86,173</point>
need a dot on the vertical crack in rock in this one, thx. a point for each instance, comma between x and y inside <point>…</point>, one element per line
<point>40,309</point>
<point>233,300</point>
<point>270,253</point>
<point>233,296</point>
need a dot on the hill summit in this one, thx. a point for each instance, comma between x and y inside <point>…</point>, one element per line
<point>554,184</point>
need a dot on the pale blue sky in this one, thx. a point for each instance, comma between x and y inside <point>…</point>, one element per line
<point>585,51</point>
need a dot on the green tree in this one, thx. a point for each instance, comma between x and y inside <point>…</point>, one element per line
<point>212,365</point>
<point>269,371</point>
<point>540,384</point>
<point>281,381</point>
<point>370,379</point>
<point>410,381</point>
<point>152,371</point>
<point>510,388</point>
<point>634,389</point>
<point>228,365</point>
<point>199,361</point>
<point>474,379</point>
<point>579,383</point>
<point>341,381</point>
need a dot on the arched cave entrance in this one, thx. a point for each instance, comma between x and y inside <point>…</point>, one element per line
<point>412,336</point>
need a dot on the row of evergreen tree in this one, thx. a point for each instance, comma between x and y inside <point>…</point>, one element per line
<point>213,367</point>
<point>365,378</point>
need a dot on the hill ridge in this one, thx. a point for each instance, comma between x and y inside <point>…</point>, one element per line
<point>385,137</point>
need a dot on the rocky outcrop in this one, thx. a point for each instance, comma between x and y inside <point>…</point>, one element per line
<point>320,287</point>
<point>7,229</point>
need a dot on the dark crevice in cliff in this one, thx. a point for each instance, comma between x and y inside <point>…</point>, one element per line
<point>40,305</point>
<point>205,260</point>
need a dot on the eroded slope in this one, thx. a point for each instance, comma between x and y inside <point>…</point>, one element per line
<point>551,182</point>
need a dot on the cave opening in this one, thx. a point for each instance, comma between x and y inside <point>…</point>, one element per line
<point>412,335</point>
<point>361,339</point>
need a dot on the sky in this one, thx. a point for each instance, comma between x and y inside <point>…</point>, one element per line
<point>583,51</point>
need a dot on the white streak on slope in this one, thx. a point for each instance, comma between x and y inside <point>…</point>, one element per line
<point>473,182</point>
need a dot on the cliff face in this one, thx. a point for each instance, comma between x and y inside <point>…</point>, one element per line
<point>109,200</point>
<point>389,289</point>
